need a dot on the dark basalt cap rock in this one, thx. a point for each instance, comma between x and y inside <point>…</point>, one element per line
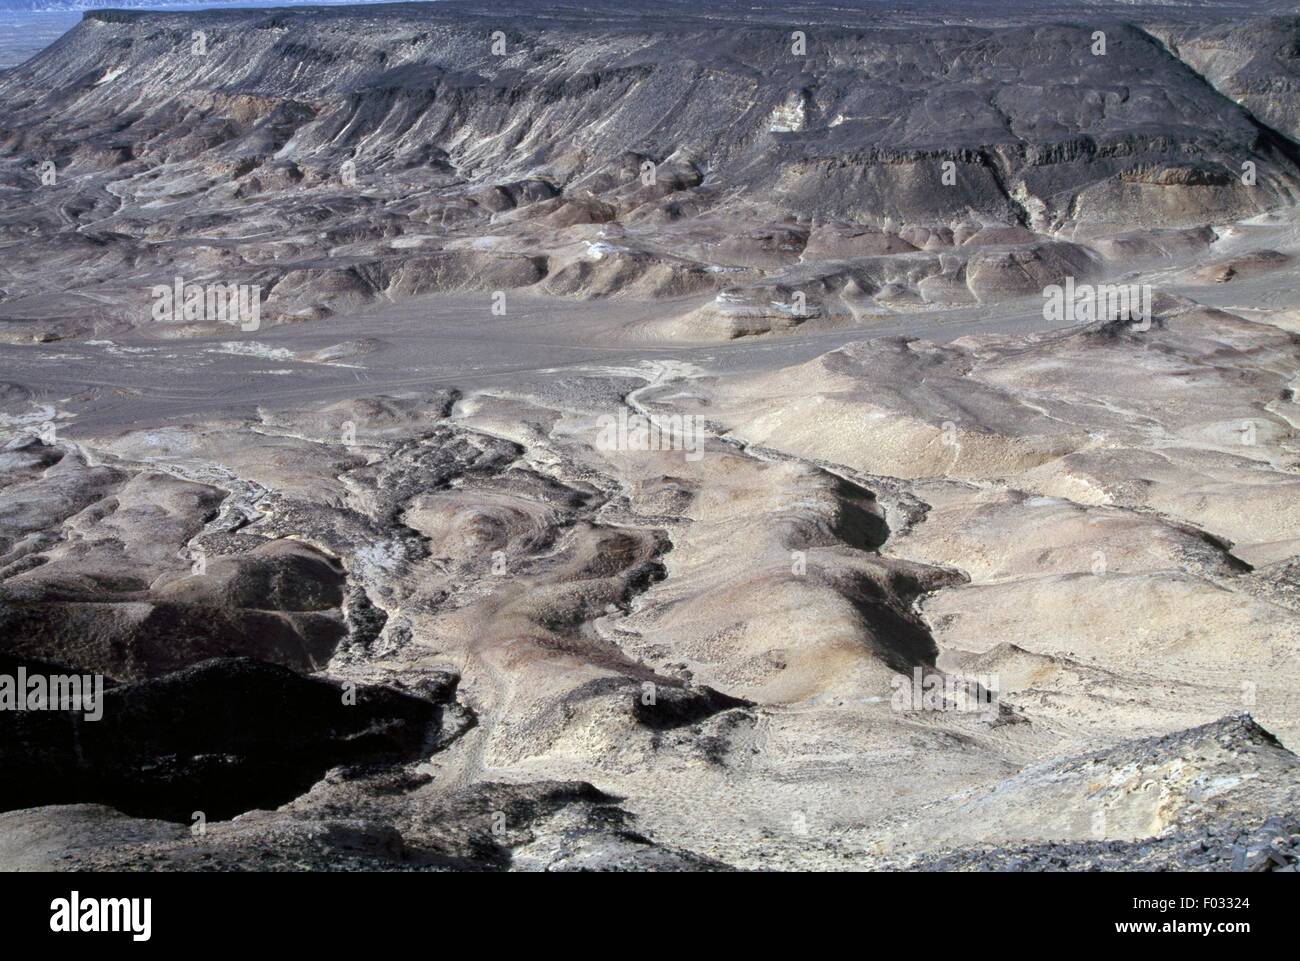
<point>679,706</point>
<point>221,737</point>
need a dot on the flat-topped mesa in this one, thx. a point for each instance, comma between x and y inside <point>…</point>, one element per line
<point>1005,124</point>
<point>812,173</point>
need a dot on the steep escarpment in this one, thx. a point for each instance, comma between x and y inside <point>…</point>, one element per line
<point>331,158</point>
<point>1255,63</point>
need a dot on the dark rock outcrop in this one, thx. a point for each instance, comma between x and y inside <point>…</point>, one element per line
<point>222,737</point>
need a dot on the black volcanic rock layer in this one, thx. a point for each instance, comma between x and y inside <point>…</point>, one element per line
<point>857,127</point>
<point>221,737</point>
<point>333,156</point>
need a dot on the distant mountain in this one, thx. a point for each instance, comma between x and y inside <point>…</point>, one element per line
<point>846,11</point>
<point>61,6</point>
